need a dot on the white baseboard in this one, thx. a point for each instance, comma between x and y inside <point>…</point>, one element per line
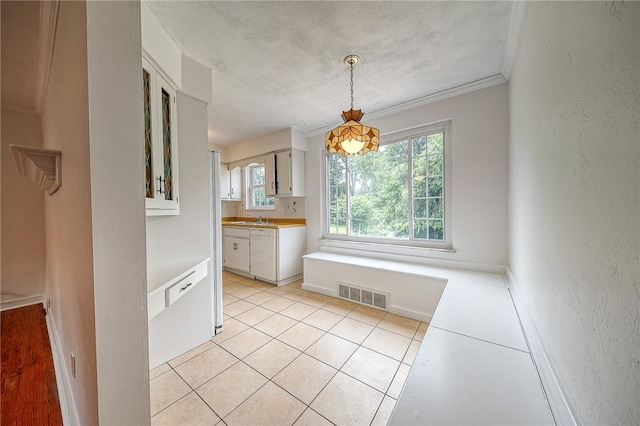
<point>21,302</point>
<point>410,313</point>
<point>321,290</point>
<point>65,395</point>
<point>561,407</point>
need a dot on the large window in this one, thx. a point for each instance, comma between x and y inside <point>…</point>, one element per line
<point>257,198</point>
<point>395,195</point>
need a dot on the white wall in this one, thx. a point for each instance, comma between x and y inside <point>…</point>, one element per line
<point>184,239</point>
<point>23,246</point>
<point>282,139</point>
<point>117,211</point>
<point>68,226</point>
<point>574,198</point>
<point>479,173</point>
<point>160,45</point>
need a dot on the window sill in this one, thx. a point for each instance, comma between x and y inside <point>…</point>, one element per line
<point>374,247</point>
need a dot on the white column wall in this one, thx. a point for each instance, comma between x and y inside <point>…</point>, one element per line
<point>117,211</point>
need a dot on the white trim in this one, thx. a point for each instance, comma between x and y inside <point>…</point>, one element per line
<point>425,100</point>
<point>561,407</point>
<point>410,313</point>
<point>21,302</point>
<point>321,290</point>
<point>65,395</point>
<point>48,26</point>
<point>517,12</point>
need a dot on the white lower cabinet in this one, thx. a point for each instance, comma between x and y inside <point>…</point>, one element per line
<point>236,249</point>
<point>272,255</point>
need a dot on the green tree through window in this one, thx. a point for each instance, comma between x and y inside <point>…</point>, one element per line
<point>394,193</point>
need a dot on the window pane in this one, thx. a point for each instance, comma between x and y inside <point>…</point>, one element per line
<point>256,187</point>
<point>378,192</point>
<point>435,164</point>
<point>419,186</point>
<point>435,208</point>
<point>419,145</point>
<point>420,207</point>
<point>435,186</point>
<point>436,231</point>
<point>419,228</point>
<point>435,143</point>
<point>419,167</point>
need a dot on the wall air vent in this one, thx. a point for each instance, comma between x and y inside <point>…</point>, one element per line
<point>363,296</point>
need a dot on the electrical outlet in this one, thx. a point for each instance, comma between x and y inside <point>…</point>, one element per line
<point>73,365</point>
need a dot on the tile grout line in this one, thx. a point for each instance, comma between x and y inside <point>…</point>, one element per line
<point>323,304</point>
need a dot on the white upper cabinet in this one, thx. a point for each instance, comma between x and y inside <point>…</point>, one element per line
<point>225,188</point>
<point>284,173</point>
<point>160,143</point>
<point>235,182</point>
<point>230,183</point>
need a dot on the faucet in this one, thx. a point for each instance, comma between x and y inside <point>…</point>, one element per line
<point>256,217</point>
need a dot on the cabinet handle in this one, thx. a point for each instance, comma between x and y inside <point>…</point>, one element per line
<point>160,184</point>
<point>185,287</point>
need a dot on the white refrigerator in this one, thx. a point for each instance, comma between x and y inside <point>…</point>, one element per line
<point>215,240</point>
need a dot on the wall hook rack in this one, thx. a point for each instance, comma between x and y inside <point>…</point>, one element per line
<point>41,165</point>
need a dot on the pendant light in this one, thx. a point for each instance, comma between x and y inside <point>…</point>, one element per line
<point>352,137</point>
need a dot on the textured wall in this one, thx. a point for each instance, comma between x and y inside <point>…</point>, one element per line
<point>574,197</point>
<point>23,250</point>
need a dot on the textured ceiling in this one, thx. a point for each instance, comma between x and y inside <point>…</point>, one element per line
<point>279,64</point>
<point>20,47</point>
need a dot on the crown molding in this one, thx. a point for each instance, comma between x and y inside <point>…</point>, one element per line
<point>41,165</point>
<point>425,100</point>
<point>48,25</point>
<point>517,12</point>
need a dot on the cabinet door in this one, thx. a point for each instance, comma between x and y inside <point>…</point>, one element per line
<point>235,176</point>
<point>225,188</point>
<point>160,144</point>
<point>236,253</point>
<point>270,175</point>
<point>283,173</point>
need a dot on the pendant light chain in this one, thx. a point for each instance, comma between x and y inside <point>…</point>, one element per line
<point>351,67</point>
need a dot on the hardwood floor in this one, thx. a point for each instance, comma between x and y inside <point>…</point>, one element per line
<point>28,384</point>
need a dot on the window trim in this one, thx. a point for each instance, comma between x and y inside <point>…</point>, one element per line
<point>249,187</point>
<point>387,139</point>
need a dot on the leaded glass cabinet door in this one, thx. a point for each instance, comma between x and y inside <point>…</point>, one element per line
<point>160,143</point>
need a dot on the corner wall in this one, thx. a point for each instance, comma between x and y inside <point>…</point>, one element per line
<point>574,199</point>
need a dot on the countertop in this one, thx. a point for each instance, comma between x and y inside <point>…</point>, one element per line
<point>273,223</point>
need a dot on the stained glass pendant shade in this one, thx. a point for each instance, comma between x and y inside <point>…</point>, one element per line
<point>352,137</point>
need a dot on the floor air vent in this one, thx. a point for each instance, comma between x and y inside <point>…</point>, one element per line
<point>364,296</point>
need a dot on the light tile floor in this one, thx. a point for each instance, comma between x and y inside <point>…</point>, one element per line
<point>288,356</point>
